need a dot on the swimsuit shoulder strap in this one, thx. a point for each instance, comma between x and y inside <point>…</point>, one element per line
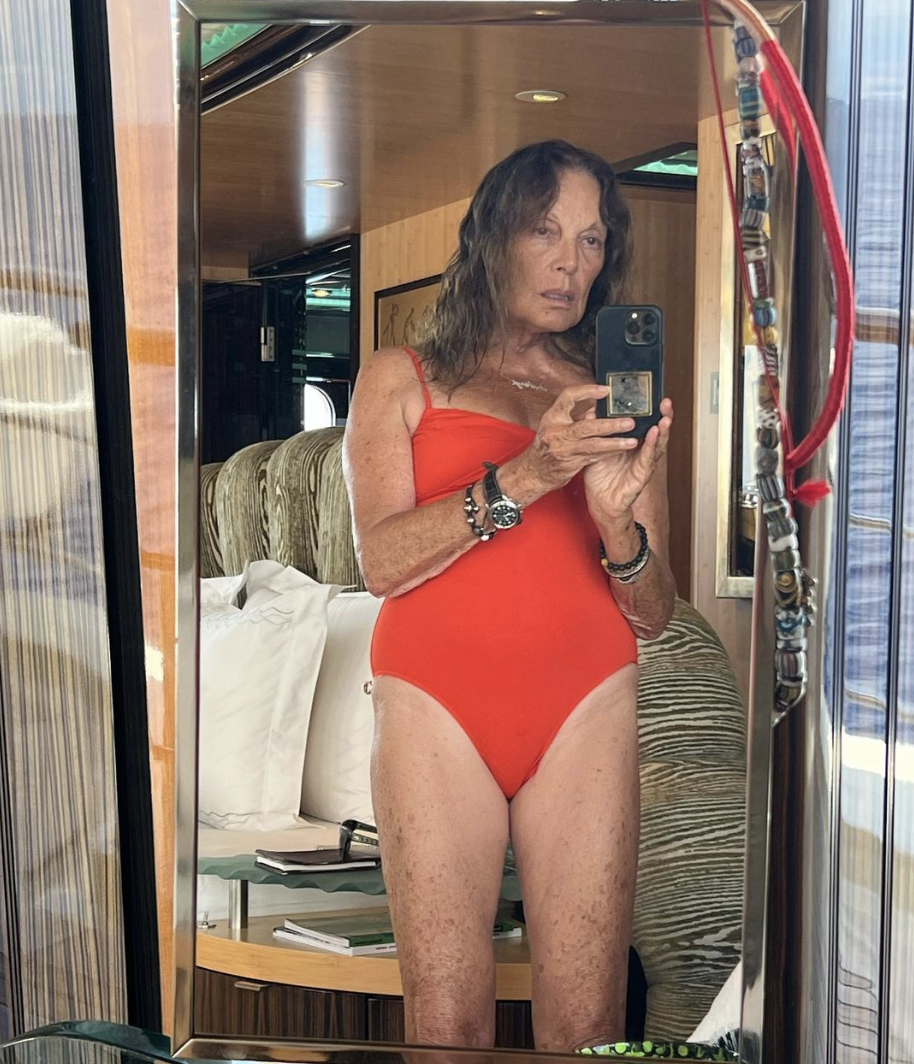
<point>418,364</point>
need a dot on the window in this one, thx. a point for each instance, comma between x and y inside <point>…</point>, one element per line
<point>318,411</point>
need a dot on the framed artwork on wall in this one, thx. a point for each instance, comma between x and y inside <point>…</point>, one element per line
<point>398,310</point>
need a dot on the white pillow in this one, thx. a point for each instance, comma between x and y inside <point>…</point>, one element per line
<point>258,669</point>
<point>336,784</point>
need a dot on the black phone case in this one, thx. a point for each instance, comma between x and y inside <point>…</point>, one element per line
<point>615,355</point>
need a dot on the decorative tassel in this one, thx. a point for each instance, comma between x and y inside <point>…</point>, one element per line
<point>811,493</point>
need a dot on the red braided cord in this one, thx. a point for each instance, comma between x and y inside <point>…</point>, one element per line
<point>791,91</point>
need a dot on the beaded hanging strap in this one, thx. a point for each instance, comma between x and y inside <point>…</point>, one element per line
<point>777,459</point>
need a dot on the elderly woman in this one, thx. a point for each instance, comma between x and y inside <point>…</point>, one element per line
<point>520,544</point>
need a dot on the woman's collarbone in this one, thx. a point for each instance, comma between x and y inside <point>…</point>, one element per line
<point>523,408</point>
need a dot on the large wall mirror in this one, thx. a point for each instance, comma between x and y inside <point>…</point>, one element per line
<point>327,153</point>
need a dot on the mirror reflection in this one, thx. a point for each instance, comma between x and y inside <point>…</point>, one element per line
<point>549,738</point>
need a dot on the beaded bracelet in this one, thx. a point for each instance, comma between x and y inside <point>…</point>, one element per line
<point>627,569</point>
<point>471,509</point>
<point>633,574</point>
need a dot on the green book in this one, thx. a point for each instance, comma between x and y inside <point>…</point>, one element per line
<point>355,934</point>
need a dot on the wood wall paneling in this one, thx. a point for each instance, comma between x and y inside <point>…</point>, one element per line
<point>60,861</point>
<point>143,79</point>
<point>408,250</point>
<point>663,225</point>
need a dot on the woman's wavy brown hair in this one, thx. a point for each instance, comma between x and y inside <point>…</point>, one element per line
<point>470,309</point>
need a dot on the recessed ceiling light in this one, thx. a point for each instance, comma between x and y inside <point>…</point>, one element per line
<point>325,182</point>
<point>540,96</point>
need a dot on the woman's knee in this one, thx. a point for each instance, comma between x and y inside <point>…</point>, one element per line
<point>581,1000</point>
<point>564,1030</point>
<point>442,1013</point>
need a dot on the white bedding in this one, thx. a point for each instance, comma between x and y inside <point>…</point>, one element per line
<point>214,842</point>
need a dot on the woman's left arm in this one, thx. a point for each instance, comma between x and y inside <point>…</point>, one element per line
<point>647,602</point>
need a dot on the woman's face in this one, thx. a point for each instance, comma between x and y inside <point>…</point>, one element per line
<point>557,260</point>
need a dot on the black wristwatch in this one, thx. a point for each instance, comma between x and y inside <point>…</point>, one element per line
<point>503,511</point>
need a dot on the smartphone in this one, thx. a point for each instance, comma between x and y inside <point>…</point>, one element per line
<point>629,360</point>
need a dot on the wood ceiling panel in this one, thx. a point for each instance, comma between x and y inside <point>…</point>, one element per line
<point>412,117</point>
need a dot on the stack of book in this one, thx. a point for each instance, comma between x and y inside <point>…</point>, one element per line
<point>330,860</point>
<point>357,934</point>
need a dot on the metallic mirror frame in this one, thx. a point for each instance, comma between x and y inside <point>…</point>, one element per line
<point>187,17</point>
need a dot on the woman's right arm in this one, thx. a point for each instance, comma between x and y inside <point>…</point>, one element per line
<point>400,545</point>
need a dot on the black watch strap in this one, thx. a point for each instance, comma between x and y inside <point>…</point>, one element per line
<point>490,483</point>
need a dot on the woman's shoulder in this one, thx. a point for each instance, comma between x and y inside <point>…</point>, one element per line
<point>390,373</point>
<point>388,365</point>
<point>391,360</point>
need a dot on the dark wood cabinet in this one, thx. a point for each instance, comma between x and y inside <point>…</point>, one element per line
<point>513,1025</point>
<point>386,1022</point>
<point>228,1005</point>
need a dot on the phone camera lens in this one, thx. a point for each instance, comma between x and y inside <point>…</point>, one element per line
<point>649,318</point>
<point>632,327</point>
<point>649,336</point>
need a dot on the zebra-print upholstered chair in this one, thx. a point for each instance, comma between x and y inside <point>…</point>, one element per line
<point>287,501</point>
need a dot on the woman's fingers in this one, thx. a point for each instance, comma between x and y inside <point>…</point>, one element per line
<point>663,435</point>
<point>602,426</point>
<point>653,449</point>
<point>571,438</point>
<point>600,446</point>
<point>644,460</point>
<point>568,398</point>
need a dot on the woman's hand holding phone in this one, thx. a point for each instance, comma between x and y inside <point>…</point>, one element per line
<point>615,481</point>
<point>569,438</point>
<point>629,358</point>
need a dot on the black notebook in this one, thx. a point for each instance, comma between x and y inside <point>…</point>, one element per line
<point>313,861</point>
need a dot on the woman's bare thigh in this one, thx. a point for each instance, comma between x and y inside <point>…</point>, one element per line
<point>575,828</point>
<point>443,823</point>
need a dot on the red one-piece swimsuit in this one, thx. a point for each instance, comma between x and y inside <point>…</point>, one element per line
<point>514,633</point>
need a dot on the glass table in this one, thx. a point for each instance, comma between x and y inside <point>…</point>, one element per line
<point>108,1043</point>
<point>242,870</point>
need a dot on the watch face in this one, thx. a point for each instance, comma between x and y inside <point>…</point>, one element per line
<point>504,514</point>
